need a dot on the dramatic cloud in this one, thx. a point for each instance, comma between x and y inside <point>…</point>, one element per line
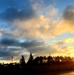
<point>7,53</point>
<point>16,47</point>
<point>31,43</point>
<point>66,24</point>
<point>9,41</point>
<point>17,12</point>
<point>68,14</point>
<point>30,25</point>
<point>13,13</point>
<point>60,49</point>
<point>37,27</point>
<point>43,50</point>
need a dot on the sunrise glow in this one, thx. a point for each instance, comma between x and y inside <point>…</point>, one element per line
<point>37,26</point>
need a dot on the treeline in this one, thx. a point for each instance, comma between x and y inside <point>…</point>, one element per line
<point>40,64</point>
<point>43,60</point>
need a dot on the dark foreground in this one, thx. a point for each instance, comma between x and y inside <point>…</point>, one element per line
<point>39,66</point>
<point>36,70</point>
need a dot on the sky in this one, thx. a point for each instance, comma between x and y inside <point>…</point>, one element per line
<point>41,27</point>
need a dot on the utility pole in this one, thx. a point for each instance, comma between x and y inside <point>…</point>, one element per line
<point>12,59</point>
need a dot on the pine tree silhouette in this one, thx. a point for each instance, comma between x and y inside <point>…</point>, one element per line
<point>30,61</point>
<point>22,61</point>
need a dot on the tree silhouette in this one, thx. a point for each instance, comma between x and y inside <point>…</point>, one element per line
<point>49,59</point>
<point>44,59</point>
<point>22,61</point>
<point>30,61</point>
<point>39,60</point>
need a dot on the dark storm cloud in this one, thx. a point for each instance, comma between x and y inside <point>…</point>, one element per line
<point>13,47</point>
<point>68,14</point>
<point>13,13</point>
<point>9,41</point>
<point>16,10</point>
<point>6,53</point>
